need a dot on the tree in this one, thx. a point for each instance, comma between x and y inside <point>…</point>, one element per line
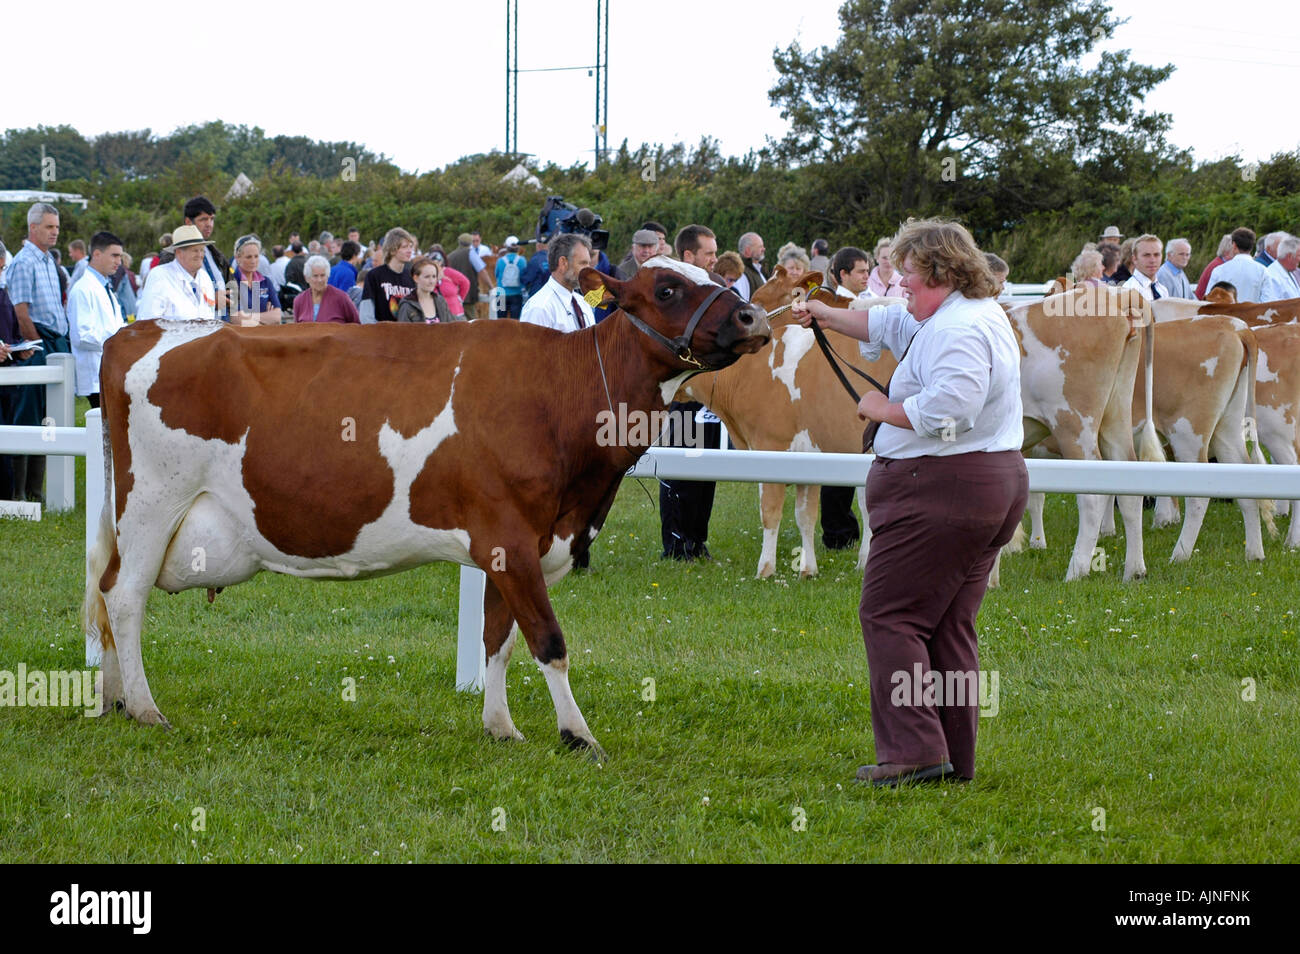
<point>39,158</point>
<point>922,100</point>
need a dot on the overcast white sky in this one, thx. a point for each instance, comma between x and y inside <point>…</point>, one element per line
<point>397,77</point>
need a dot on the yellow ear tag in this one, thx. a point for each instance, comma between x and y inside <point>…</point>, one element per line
<point>811,286</point>
<point>595,296</point>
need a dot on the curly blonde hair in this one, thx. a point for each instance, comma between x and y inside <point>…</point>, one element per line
<point>946,254</point>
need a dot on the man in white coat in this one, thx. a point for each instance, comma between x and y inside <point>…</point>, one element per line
<point>94,313</point>
<point>558,304</point>
<point>1279,277</point>
<point>1241,271</point>
<point>181,288</point>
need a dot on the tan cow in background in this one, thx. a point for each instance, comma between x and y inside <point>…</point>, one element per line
<point>788,399</point>
<point>1080,355</point>
<point>1205,370</point>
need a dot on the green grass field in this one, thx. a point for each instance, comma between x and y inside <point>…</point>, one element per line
<point>1122,733</point>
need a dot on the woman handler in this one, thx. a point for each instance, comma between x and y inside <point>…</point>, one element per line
<point>945,492</point>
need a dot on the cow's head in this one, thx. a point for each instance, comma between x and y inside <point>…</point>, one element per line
<point>698,323</point>
<point>778,292</point>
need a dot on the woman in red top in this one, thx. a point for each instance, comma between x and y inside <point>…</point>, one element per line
<point>453,284</point>
<point>322,301</point>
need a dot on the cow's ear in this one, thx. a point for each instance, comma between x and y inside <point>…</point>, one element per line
<point>598,288</point>
<point>812,281</point>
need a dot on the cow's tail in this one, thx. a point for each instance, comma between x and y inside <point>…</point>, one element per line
<point>1148,448</point>
<point>1250,426</point>
<point>94,612</point>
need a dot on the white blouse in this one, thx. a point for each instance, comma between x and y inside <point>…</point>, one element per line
<point>959,382</point>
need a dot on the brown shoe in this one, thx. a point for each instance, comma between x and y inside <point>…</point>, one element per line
<point>893,774</point>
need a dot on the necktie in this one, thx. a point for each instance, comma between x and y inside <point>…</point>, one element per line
<point>112,299</point>
<point>1155,292</point>
<point>577,311</point>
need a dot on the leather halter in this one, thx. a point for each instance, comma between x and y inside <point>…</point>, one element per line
<point>681,345</point>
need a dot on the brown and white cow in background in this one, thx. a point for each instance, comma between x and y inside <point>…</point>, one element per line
<point>1081,351</point>
<point>306,450</point>
<point>790,400</point>
<point>1204,391</point>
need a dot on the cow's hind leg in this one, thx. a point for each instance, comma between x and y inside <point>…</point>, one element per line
<point>523,589</point>
<point>125,601</point>
<point>499,633</point>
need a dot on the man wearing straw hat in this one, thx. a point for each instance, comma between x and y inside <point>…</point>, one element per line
<point>181,288</point>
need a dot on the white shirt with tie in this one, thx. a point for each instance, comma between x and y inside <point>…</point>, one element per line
<point>1143,285</point>
<point>552,307</point>
<point>171,292</point>
<point>94,315</point>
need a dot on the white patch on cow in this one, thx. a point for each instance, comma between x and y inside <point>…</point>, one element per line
<point>557,560</point>
<point>1210,364</point>
<point>1183,440</point>
<point>1262,373</point>
<point>190,490</point>
<point>668,388</point>
<point>803,442</point>
<point>1042,375</point>
<point>795,343</point>
<point>693,272</point>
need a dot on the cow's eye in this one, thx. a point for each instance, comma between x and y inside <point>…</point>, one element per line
<point>666,292</point>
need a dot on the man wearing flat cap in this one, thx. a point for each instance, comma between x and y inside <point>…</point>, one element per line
<point>181,288</point>
<point>645,244</point>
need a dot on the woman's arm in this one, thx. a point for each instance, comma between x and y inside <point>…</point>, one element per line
<point>846,322</point>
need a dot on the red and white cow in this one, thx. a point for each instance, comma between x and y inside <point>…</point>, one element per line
<point>345,452</point>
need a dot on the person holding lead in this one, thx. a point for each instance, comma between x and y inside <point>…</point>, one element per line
<point>944,494</point>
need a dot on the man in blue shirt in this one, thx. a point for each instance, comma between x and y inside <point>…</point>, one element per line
<point>538,271</point>
<point>510,278</point>
<point>344,275</point>
<point>1178,252</point>
<point>32,280</point>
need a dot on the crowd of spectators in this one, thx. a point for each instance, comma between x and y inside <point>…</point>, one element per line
<point>45,309</point>
<point>1245,268</point>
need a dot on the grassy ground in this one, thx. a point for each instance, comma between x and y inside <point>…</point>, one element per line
<point>1122,699</point>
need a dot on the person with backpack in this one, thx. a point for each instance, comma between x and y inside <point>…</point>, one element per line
<point>509,275</point>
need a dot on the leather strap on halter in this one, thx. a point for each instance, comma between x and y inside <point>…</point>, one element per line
<point>681,345</point>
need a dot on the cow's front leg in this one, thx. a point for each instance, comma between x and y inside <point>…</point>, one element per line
<point>807,500</point>
<point>864,548</point>
<point>771,501</point>
<point>523,588</point>
<point>499,634</point>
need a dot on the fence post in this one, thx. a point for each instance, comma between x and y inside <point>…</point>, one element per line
<point>60,407</point>
<point>94,502</point>
<point>470,661</point>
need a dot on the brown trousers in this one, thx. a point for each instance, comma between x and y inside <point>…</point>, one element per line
<point>937,524</point>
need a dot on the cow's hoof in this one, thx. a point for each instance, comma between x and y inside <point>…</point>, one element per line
<point>807,574</point>
<point>577,743</point>
<point>510,734</point>
<point>150,717</point>
<point>765,571</point>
